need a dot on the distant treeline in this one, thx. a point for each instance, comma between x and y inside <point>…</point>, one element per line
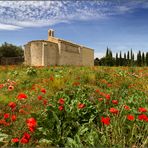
<point>127,59</point>
<point>10,50</point>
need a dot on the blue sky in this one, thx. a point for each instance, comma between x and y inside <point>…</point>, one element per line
<point>118,24</point>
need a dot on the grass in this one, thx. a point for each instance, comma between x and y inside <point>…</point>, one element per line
<point>70,106</point>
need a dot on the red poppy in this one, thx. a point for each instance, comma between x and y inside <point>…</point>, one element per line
<point>31,123</point>
<point>61,101</point>
<point>81,105</point>
<point>76,84</point>
<point>142,109</point>
<point>107,96</point>
<point>43,90</point>
<point>130,117</point>
<point>7,115</point>
<point>126,107</point>
<point>109,85</point>
<point>115,102</point>
<point>10,88</point>
<point>23,111</point>
<point>13,117</point>
<point>105,120</point>
<point>1,86</point>
<point>142,117</point>
<point>113,110</point>
<point>25,139</point>
<point>51,78</point>
<point>22,96</point>
<point>61,108</point>
<point>40,97</point>
<point>12,105</point>
<point>45,101</point>
<point>15,140</point>
<point>97,90</point>
<point>100,99</point>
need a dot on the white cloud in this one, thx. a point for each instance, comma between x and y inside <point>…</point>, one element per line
<point>99,54</point>
<point>9,27</point>
<point>20,14</point>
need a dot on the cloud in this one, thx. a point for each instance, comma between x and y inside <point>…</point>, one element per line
<point>99,55</point>
<point>8,27</point>
<point>19,14</point>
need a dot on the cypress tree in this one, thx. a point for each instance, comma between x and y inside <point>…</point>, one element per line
<point>124,59</point>
<point>128,57</point>
<point>146,59</point>
<point>120,59</point>
<point>139,60</point>
<point>143,59</point>
<point>107,52</point>
<point>117,60</point>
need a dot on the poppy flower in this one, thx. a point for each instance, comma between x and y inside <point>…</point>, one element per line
<point>40,97</point>
<point>1,86</point>
<point>45,101</point>
<point>61,101</point>
<point>61,108</point>
<point>126,107</point>
<point>105,120</point>
<point>10,88</point>
<point>43,90</point>
<point>76,84</point>
<point>115,102</point>
<point>130,117</point>
<point>100,99</point>
<point>81,105</point>
<point>7,115</point>
<point>13,117</point>
<point>31,123</point>
<point>113,110</point>
<point>107,96</point>
<point>51,78</point>
<point>109,85</point>
<point>22,96</point>
<point>15,140</point>
<point>25,139</point>
<point>97,90</point>
<point>12,105</point>
<point>142,109</point>
<point>142,117</point>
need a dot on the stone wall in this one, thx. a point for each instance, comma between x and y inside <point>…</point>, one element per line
<point>70,54</point>
<point>36,53</point>
<point>57,52</point>
<point>27,54</point>
<point>51,55</point>
<point>87,56</point>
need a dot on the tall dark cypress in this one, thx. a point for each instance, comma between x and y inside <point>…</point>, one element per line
<point>120,59</point>
<point>139,60</point>
<point>146,59</point>
<point>143,59</point>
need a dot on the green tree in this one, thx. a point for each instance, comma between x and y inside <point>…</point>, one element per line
<point>107,52</point>
<point>10,50</point>
<point>117,60</point>
<point>146,59</point>
<point>139,60</point>
<point>96,62</point>
<point>120,59</point>
<point>143,59</point>
<point>124,60</point>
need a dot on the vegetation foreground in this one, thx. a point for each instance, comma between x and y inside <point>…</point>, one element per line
<point>73,106</point>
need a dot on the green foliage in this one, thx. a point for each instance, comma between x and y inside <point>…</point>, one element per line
<point>31,71</point>
<point>10,50</point>
<point>68,109</point>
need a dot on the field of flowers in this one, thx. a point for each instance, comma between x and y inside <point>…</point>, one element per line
<point>73,106</point>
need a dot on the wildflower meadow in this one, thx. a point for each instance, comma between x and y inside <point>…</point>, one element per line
<point>69,106</point>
